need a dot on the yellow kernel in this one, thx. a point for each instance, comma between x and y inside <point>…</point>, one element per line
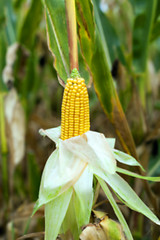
<point>75,109</point>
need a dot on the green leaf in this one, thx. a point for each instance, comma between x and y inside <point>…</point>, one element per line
<point>57,36</point>
<point>2,14</point>
<point>100,31</point>
<point>156,24</point>
<point>157,13</point>
<point>115,208</point>
<point>86,27</point>
<point>30,23</point>
<point>58,40</point>
<point>30,82</point>
<point>35,208</point>
<point>98,61</point>
<point>10,22</point>
<point>3,149</point>
<point>156,30</point>
<point>102,77</point>
<point>108,97</point>
<point>18,4</point>
<point>122,188</point>
<point>144,16</point>
<point>55,212</point>
<point>108,34</point>
<point>126,159</point>
<point>132,174</point>
<point>82,67</point>
<point>3,47</point>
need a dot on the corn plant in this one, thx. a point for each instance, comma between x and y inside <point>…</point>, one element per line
<point>66,187</point>
<point>106,57</point>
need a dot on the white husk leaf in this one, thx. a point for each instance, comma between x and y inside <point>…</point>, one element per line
<point>126,159</point>
<point>83,197</point>
<point>55,212</point>
<point>111,142</point>
<point>61,172</point>
<point>88,152</point>
<point>97,142</point>
<point>52,133</point>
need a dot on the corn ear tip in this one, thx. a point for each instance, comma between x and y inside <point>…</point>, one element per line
<point>75,73</point>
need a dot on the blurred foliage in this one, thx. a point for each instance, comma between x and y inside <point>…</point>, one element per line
<point>119,49</point>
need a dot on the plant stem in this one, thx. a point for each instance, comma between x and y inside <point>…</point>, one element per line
<point>3,147</point>
<point>72,33</point>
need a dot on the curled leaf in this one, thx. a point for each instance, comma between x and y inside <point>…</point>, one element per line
<point>126,159</point>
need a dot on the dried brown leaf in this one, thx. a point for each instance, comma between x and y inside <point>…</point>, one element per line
<point>93,232</point>
<point>15,122</point>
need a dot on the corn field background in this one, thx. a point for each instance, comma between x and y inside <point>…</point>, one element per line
<point>119,58</point>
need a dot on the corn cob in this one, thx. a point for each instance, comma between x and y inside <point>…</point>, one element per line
<point>75,118</point>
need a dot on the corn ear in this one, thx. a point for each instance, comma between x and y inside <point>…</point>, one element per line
<point>75,119</point>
